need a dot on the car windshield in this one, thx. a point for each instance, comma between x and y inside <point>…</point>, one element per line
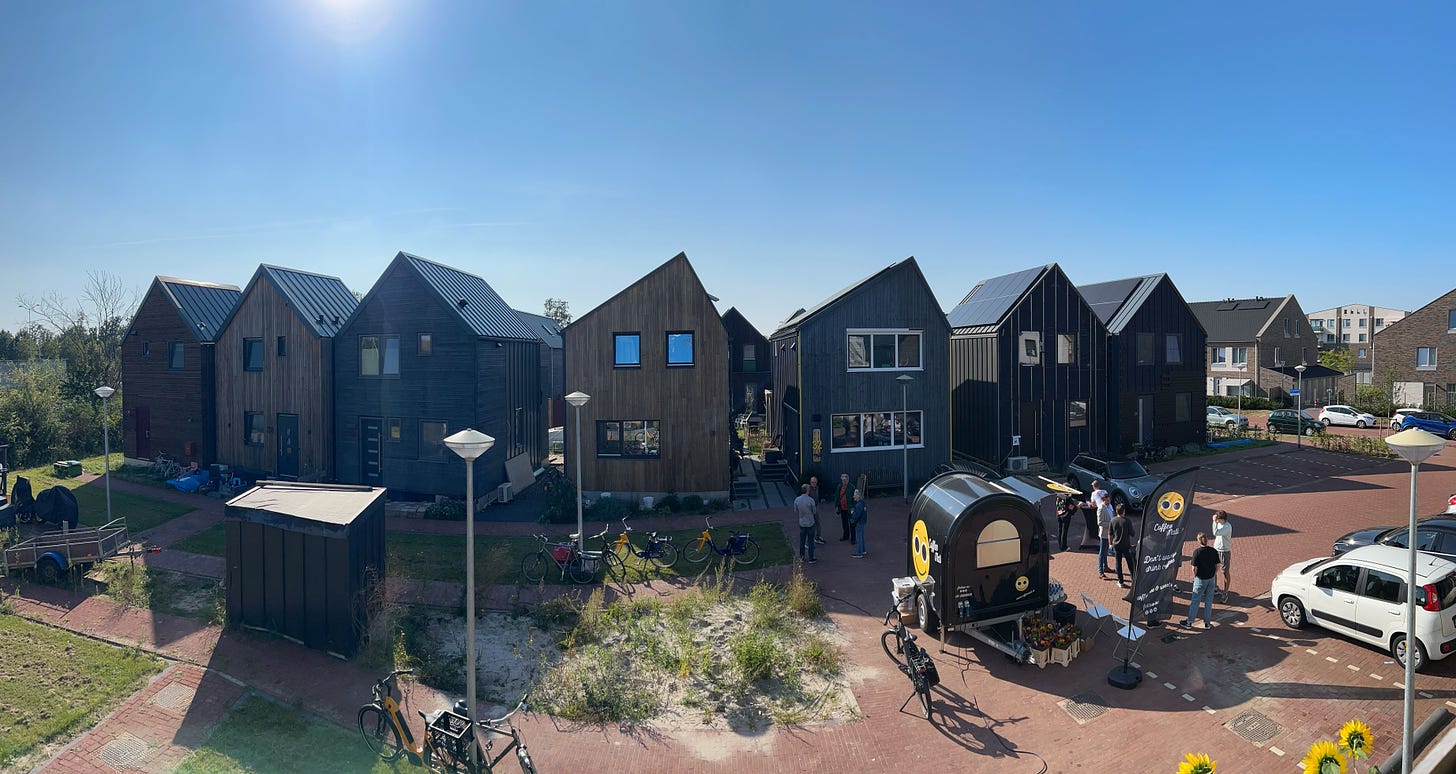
<point>1315,565</point>
<point>1128,469</point>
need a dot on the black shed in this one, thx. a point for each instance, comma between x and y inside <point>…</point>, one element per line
<point>304,559</point>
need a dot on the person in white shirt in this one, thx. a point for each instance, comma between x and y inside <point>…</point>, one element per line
<point>1102,503</point>
<point>1223,535</point>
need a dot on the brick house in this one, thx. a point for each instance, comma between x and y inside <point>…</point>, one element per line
<point>1254,345</point>
<point>1419,352</point>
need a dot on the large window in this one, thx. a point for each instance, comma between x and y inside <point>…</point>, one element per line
<point>432,440</point>
<point>1145,352</point>
<point>884,350</point>
<point>379,356</point>
<point>253,428</point>
<point>175,356</point>
<point>629,438</point>
<point>875,430</point>
<point>1219,357</point>
<point>627,350</point>
<point>750,357</point>
<point>1066,348</point>
<point>252,354</point>
<point>1173,349</point>
<point>999,543</point>
<point>680,348</point>
<point>1426,358</point>
<point>1241,356</point>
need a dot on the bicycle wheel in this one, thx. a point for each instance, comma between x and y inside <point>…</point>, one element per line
<point>666,556</point>
<point>533,567</point>
<point>379,732</point>
<point>749,554</point>
<point>699,551</point>
<point>616,568</point>
<point>578,571</point>
<point>922,688</point>
<point>890,641</point>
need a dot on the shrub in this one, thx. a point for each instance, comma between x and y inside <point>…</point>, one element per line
<point>672,503</point>
<point>692,503</point>
<point>802,594</point>
<point>821,655</point>
<point>1250,403</point>
<point>446,510</point>
<point>755,654</point>
<point>560,498</point>
<point>609,509</point>
<point>714,505</point>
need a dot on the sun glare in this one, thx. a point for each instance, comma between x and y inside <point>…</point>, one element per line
<point>351,20</point>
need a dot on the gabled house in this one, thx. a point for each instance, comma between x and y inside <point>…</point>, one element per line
<point>553,363</point>
<point>275,374</point>
<point>859,382</point>
<point>749,364</point>
<point>1254,345</point>
<point>654,359</point>
<point>430,351</point>
<point>168,371</point>
<point>1028,371</point>
<point>1155,363</point>
<point>1418,354</point>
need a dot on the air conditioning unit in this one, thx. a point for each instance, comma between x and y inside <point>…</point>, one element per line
<point>1016,464</point>
<point>505,493</point>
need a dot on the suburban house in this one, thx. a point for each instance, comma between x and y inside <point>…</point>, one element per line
<point>654,359</point>
<point>1155,367</point>
<point>1254,346</point>
<point>428,352</point>
<point>1029,376</point>
<point>553,363</point>
<point>859,382</point>
<point>167,369</point>
<point>275,374</point>
<point>749,365</point>
<point>1352,328</point>
<point>1418,354</point>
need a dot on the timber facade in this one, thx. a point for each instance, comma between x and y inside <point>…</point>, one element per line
<point>750,364</point>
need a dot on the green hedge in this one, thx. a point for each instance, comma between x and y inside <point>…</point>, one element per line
<point>1250,403</point>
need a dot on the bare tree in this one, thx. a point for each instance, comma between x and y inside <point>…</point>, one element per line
<point>103,299</point>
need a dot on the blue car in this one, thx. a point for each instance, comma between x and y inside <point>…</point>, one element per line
<point>1431,422</point>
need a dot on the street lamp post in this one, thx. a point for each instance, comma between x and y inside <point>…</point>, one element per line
<point>904,380</point>
<point>1241,392</point>
<point>577,400</point>
<point>103,392</point>
<point>1413,446</point>
<point>470,444</point>
<point>1299,405</point>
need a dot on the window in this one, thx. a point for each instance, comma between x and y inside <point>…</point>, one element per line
<point>1362,354</point>
<point>1362,322</point>
<point>518,432</point>
<point>253,428</point>
<point>1329,322</point>
<point>627,349</point>
<point>146,348</point>
<point>175,355</point>
<point>629,438</point>
<point>1426,358</point>
<point>252,354</point>
<point>1173,349</point>
<point>1425,539</point>
<point>1028,349</point>
<point>1217,388</point>
<point>1241,356</point>
<point>1363,377</point>
<point>1220,357</point>
<point>750,357</point>
<point>875,430</point>
<point>1361,338</point>
<point>283,346</point>
<point>1278,360</point>
<point>1340,577</point>
<point>1383,586</point>
<point>1317,325</point>
<point>1066,348</point>
<point>680,348</point>
<point>394,435</point>
<point>883,349</point>
<point>1344,322</point>
<point>432,440</point>
<point>1286,327</point>
<point>424,346</point>
<point>1379,322</point>
<point>1181,403</point>
<point>1304,354</point>
<point>379,356</point>
<point>1077,413</point>
<point>1145,349</point>
<point>999,543</point>
<point>1450,320</point>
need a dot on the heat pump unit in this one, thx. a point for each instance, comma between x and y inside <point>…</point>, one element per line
<point>505,493</point>
<point>1016,464</point>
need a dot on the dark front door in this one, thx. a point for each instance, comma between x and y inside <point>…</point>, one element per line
<point>1030,428</point>
<point>144,432</point>
<point>288,446</point>
<point>371,451</point>
<point>1145,419</point>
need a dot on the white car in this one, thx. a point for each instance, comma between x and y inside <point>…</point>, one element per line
<point>1346,415</point>
<point>1218,416</point>
<point>1399,416</point>
<point>1360,594</point>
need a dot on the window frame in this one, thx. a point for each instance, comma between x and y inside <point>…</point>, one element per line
<point>248,431</point>
<point>749,356</point>
<point>1145,341</point>
<point>858,417</point>
<point>424,344</point>
<point>1215,360</point>
<point>254,345</point>
<point>427,451</point>
<point>1239,356</point>
<point>1173,348</point>
<point>281,349</point>
<point>1067,349</point>
<point>651,429</point>
<point>897,336</point>
<point>382,341</point>
<point>1428,366</point>
<point>393,430</point>
<point>617,338</point>
<point>176,355</point>
<point>692,349</point>
<point>1029,355</point>
<point>1451,320</point>
<point>1072,420</point>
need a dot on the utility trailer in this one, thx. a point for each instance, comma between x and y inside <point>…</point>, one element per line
<point>51,554</point>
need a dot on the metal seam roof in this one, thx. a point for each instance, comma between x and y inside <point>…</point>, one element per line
<point>204,306</point>
<point>323,302</point>
<point>473,299</point>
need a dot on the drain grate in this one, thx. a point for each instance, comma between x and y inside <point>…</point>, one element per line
<point>175,696</point>
<point>123,752</point>
<point>1254,726</point>
<point>1084,707</point>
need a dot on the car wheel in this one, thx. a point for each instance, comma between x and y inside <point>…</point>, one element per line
<point>1309,430</point>
<point>1231,425</point>
<point>1452,434</point>
<point>1292,612</point>
<point>1399,650</point>
<point>1325,422</point>
<point>1360,423</point>
<point>1394,425</point>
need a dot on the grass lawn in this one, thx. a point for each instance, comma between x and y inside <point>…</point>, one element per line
<point>261,735</point>
<point>211,541</point>
<point>498,559</point>
<point>140,512</point>
<point>55,684</point>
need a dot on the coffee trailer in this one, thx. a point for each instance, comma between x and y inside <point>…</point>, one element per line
<point>978,555</point>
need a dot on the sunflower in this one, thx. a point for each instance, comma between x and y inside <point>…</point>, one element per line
<point>1197,763</point>
<point>1323,758</point>
<point>1356,740</point>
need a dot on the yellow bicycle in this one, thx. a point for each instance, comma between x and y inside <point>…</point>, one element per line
<point>446,744</point>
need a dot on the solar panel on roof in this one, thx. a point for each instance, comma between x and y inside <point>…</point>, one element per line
<point>1262,303</point>
<point>990,300</point>
<point>1227,306</point>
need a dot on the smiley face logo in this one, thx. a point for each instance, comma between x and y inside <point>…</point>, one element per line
<point>920,550</point>
<point>1170,506</point>
<point>1023,583</point>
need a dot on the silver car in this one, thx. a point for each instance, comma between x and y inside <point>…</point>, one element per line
<point>1218,416</point>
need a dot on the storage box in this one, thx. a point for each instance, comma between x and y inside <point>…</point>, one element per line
<point>67,468</point>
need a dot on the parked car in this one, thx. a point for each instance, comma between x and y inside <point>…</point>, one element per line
<point>1430,421</point>
<point>1362,595</point>
<point>1346,415</point>
<point>1399,416</point>
<point>1218,416</point>
<point>1436,535</point>
<point>1291,421</point>
<point>1125,480</point>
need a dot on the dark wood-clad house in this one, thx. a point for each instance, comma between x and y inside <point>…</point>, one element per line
<point>1155,361</point>
<point>431,351</point>
<point>654,359</point>
<point>553,362</point>
<point>275,374</point>
<point>838,401</point>
<point>167,367</point>
<point>750,369</point>
<point>1029,374</point>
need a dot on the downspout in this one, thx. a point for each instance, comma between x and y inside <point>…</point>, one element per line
<point>799,364</point>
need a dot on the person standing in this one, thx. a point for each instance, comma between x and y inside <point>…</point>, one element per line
<point>1205,567</point>
<point>804,507</point>
<point>860,515</point>
<point>1103,505</point>
<point>1066,506</point>
<point>843,502</point>
<point>1223,537</point>
<point>1120,532</point>
<point>814,495</point>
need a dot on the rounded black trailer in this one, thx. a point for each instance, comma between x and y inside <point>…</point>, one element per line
<point>978,557</point>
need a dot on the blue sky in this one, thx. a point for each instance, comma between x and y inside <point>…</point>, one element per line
<point>566,148</point>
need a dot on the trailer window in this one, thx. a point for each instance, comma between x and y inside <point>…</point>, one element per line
<point>999,543</point>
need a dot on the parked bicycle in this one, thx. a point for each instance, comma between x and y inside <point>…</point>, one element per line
<point>741,547</point>
<point>659,549</point>
<point>913,660</point>
<point>604,556</point>
<point>447,740</point>
<point>165,467</point>
<point>580,566</point>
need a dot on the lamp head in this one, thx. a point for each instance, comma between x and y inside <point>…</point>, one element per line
<point>1415,445</point>
<point>904,378</point>
<point>103,392</point>
<point>1300,368</point>
<point>578,398</point>
<point>469,444</point>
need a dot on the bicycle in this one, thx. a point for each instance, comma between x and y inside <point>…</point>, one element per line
<point>741,547</point>
<point>165,468</point>
<point>659,549</point>
<point>605,556</point>
<point>912,660</point>
<point>447,740</point>
<point>580,566</point>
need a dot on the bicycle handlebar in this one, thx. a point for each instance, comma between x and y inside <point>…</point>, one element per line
<point>520,705</point>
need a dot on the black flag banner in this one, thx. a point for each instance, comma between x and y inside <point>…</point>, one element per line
<point>1160,548</point>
